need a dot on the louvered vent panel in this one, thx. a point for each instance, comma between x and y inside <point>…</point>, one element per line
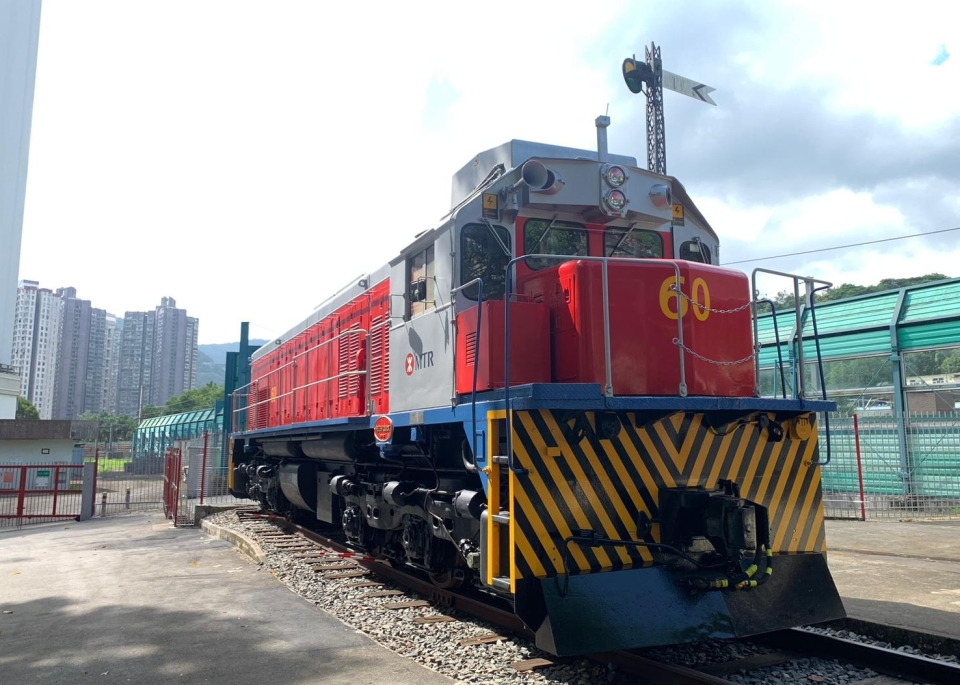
<point>377,355</point>
<point>471,349</point>
<point>349,346</point>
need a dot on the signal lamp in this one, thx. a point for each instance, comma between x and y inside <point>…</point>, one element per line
<point>615,200</point>
<point>636,74</point>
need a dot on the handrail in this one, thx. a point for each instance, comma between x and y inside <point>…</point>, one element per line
<point>800,373</point>
<point>312,350</point>
<point>776,336</point>
<point>800,389</point>
<point>608,377</point>
<point>823,384</point>
<point>476,363</point>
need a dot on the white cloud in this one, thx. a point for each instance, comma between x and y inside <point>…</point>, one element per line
<point>869,265</point>
<point>249,158</point>
<point>733,221</point>
<point>839,212</point>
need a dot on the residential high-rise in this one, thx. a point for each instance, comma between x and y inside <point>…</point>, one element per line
<point>114,338</point>
<point>158,357</point>
<point>19,39</point>
<point>36,344</point>
<point>175,352</point>
<point>136,362</point>
<point>76,358</point>
<point>81,369</point>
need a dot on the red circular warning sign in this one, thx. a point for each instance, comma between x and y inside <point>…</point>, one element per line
<point>409,364</point>
<point>383,429</point>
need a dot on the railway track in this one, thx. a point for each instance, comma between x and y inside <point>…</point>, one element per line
<point>339,562</point>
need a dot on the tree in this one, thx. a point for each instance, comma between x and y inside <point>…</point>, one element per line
<point>952,363</point>
<point>194,400</point>
<point>785,299</point>
<point>26,410</point>
<point>151,411</point>
<point>112,426</point>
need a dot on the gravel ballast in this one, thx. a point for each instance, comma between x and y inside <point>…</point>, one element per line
<point>436,645</point>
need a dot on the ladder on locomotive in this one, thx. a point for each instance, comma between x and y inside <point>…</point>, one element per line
<point>501,569</point>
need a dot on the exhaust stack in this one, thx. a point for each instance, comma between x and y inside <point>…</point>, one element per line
<point>602,122</point>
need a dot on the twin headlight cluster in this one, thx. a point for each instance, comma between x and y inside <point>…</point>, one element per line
<point>613,200</point>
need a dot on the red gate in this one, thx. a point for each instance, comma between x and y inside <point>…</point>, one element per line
<point>172,469</point>
<point>40,491</point>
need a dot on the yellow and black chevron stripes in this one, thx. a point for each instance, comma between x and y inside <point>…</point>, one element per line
<point>575,480</point>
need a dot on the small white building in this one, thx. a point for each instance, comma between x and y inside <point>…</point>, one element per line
<point>28,442</point>
<point>9,389</point>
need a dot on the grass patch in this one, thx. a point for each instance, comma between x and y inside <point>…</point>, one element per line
<point>111,465</point>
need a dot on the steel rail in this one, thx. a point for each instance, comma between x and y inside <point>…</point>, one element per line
<point>884,660</point>
<point>660,672</point>
<point>437,595</point>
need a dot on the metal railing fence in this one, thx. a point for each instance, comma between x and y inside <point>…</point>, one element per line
<point>193,476</point>
<point>144,483</point>
<point>876,474</point>
<point>39,493</point>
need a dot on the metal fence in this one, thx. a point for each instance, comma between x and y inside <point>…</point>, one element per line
<point>884,469</point>
<point>193,476</point>
<point>127,484</point>
<point>39,493</point>
<point>142,483</point>
<point>123,483</point>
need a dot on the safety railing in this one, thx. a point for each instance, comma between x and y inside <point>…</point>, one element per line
<point>811,287</point>
<point>241,404</point>
<point>476,433</point>
<point>608,389</point>
<point>798,370</point>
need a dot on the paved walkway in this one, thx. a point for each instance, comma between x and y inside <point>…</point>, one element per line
<point>129,599</point>
<point>901,574</point>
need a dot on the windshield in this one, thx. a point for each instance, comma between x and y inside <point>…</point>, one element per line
<point>562,238</point>
<point>621,242</point>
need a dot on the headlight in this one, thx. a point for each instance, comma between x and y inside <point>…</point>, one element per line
<point>615,176</point>
<point>615,200</point>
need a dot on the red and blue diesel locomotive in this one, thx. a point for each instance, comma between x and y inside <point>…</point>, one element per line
<point>552,397</point>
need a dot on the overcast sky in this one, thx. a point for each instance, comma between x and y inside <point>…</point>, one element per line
<point>249,158</point>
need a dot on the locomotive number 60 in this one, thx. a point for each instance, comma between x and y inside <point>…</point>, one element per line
<point>699,293</point>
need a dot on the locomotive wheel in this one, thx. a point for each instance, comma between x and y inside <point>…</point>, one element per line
<point>446,579</point>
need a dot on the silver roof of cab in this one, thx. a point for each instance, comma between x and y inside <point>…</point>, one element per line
<point>512,155</point>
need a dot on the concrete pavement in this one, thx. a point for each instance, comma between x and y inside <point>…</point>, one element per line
<point>131,600</point>
<point>903,574</point>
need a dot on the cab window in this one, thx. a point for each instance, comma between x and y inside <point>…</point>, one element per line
<point>420,284</point>
<point>482,256</point>
<point>562,238</point>
<point>695,251</point>
<point>622,242</point>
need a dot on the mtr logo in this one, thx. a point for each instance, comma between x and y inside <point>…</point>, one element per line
<point>415,362</point>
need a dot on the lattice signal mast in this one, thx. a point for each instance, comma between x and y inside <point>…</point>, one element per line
<point>652,74</point>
